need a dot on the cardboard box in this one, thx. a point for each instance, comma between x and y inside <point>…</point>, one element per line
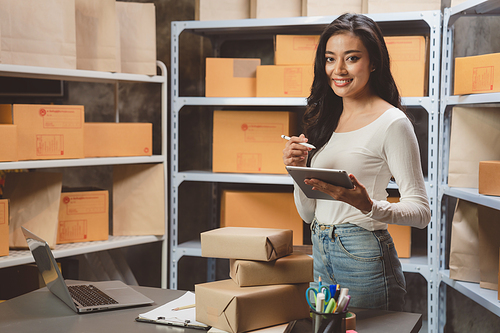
<point>8,146</point>
<point>83,216</point>
<point>212,10</point>
<point>401,235</point>
<point>224,305</point>
<point>408,56</point>
<point>489,177</point>
<point>295,49</point>
<point>255,144</point>
<point>4,227</point>
<point>295,268</point>
<point>47,131</point>
<point>475,75</point>
<point>275,8</point>
<point>228,77</point>
<point>262,244</point>
<point>284,81</point>
<point>118,139</point>
<point>390,6</point>
<point>261,210</point>
<point>332,7</point>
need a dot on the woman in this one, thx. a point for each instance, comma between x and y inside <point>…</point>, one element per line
<point>354,118</point>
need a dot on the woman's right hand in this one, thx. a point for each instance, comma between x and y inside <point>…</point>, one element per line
<point>294,153</point>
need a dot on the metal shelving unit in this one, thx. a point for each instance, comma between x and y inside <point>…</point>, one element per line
<point>484,297</point>
<point>409,23</point>
<point>17,257</point>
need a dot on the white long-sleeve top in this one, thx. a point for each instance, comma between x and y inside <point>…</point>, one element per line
<point>384,148</point>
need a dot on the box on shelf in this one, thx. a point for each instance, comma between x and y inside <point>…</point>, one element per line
<point>83,216</point>
<point>295,268</point>
<point>275,8</point>
<point>332,7</point>
<point>212,10</point>
<point>224,305</point>
<point>408,56</point>
<point>47,131</point>
<point>4,227</point>
<point>295,49</point>
<point>489,178</point>
<point>475,75</point>
<point>284,81</point>
<point>390,6</point>
<point>255,144</point>
<point>489,242</point>
<point>8,139</point>
<point>401,235</point>
<point>118,139</point>
<point>261,210</point>
<point>231,77</point>
<point>263,244</point>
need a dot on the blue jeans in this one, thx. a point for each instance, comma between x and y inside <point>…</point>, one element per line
<point>364,261</point>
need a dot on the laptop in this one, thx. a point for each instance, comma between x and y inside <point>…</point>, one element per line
<point>84,297</point>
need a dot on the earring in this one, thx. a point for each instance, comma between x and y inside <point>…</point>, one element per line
<point>373,70</point>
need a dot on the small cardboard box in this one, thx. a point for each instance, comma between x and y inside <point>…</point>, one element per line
<point>489,177</point>
<point>83,216</point>
<point>118,139</point>
<point>228,77</point>
<point>275,8</point>
<point>332,7</point>
<point>408,64</point>
<point>295,268</point>
<point>212,10</point>
<point>224,305</point>
<point>262,244</point>
<point>261,210</point>
<point>401,235</point>
<point>390,6</point>
<point>475,75</point>
<point>8,146</point>
<point>4,227</point>
<point>47,131</point>
<point>284,81</point>
<point>255,144</point>
<point>295,49</point>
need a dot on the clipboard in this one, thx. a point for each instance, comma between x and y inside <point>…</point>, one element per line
<point>331,176</point>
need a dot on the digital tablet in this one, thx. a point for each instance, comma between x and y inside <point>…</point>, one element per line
<point>331,176</point>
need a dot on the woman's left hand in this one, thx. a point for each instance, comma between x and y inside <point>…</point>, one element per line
<point>357,197</point>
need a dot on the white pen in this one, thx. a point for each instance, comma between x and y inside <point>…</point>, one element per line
<point>308,145</point>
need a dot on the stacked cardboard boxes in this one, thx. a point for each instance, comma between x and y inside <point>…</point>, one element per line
<point>267,285</point>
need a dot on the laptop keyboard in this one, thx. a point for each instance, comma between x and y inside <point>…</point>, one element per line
<point>88,295</point>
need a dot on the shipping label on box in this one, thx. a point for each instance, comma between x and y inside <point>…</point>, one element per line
<point>212,10</point>
<point>83,216</point>
<point>256,145</point>
<point>295,49</point>
<point>224,305</point>
<point>8,143</point>
<point>228,77</point>
<point>4,227</point>
<point>475,75</point>
<point>284,81</point>
<point>489,178</point>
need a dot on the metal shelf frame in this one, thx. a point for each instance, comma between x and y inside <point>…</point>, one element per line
<point>22,257</point>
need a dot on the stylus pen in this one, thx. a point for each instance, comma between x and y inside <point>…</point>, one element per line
<point>308,145</point>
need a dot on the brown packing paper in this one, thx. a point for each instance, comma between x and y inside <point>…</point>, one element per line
<point>475,137</point>
<point>489,242</point>
<point>263,244</point>
<point>464,246</point>
<point>96,35</point>
<point>137,37</point>
<point>224,305</point>
<point>38,33</point>
<point>34,204</point>
<point>138,199</point>
<point>295,268</point>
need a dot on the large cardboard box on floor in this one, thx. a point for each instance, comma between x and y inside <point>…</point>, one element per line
<point>275,8</point>
<point>475,75</point>
<point>118,139</point>
<point>4,227</point>
<point>83,216</point>
<point>213,10</point>
<point>8,143</point>
<point>250,141</point>
<point>408,56</point>
<point>284,81</point>
<point>261,210</point>
<point>401,235</point>
<point>230,77</point>
<point>295,49</point>
<point>489,177</point>
<point>295,268</point>
<point>390,6</point>
<point>263,244</point>
<point>332,7</point>
<point>224,305</point>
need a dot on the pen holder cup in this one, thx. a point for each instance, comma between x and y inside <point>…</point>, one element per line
<point>328,322</point>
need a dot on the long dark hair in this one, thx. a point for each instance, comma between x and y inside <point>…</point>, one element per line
<point>324,107</point>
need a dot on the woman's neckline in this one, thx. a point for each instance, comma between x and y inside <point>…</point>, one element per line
<point>372,122</point>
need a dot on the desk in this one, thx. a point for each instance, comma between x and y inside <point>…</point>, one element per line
<point>41,311</point>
